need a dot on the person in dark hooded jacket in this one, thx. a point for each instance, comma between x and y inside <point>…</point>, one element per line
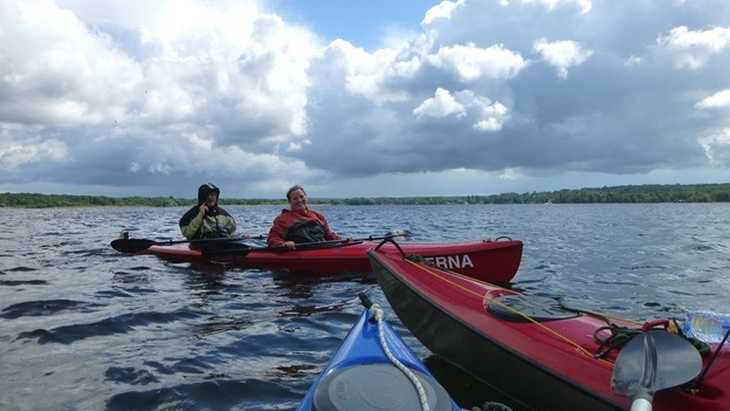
<point>207,219</point>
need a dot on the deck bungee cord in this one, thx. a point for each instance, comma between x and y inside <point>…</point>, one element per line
<point>378,316</point>
<point>618,335</point>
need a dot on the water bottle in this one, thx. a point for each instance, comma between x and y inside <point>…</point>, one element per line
<point>707,326</point>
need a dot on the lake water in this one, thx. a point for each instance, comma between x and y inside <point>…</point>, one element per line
<point>84,327</point>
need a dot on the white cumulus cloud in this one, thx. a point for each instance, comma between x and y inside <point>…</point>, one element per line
<point>493,116</point>
<point>472,63</point>
<point>692,49</point>
<point>484,115</point>
<point>562,54</point>
<point>717,146</point>
<point>721,99</point>
<point>585,6</point>
<point>442,10</point>
<point>442,104</point>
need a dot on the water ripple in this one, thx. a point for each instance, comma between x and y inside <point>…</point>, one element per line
<point>217,394</point>
<point>137,332</point>
<point>14,283</point>
<point>46,307</point>
<point>130,375</point>
<point>21,269</point>
<point>120,324</point>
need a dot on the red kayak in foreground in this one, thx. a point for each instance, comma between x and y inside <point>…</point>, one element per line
<point>546,362</point>
<point>494,261</point>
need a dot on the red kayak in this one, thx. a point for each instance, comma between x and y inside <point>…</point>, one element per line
<point>544,362</point>
<point>494,261</point>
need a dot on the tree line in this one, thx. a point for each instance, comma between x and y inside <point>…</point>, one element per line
<point>35,200</point>
<point>653,193</point>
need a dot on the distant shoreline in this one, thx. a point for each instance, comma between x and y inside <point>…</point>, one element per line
<point>653,193</point>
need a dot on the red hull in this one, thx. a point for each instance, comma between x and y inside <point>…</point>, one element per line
<point>542,366</point>
<point>493,261</point>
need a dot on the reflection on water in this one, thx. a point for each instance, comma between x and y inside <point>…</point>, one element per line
<point>83,327</point>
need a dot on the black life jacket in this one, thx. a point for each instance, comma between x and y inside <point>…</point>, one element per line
<point>306,232</point>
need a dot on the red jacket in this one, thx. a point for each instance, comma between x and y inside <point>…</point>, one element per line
<point>288,218</point>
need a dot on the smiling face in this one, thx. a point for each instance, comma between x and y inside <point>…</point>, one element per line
<point>298,200</point>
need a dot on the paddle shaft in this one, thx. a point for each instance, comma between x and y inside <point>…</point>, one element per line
<point>330,242</point>
<point>642,404</point>
<point>136,245</point>
<point>311,244</point>
<point>210,240</point>
<point>240,252</point>
<point>642,401</point>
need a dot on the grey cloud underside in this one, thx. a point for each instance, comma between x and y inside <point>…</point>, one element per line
<point>630,124</point>
<point>605,116</point>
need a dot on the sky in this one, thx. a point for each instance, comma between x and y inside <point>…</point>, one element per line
<point>361,98</point>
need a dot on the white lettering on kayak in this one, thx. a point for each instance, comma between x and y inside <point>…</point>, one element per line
<point>450,262</point>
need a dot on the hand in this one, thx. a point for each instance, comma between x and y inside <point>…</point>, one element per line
<point>203,209</point>
<point>290,245</point>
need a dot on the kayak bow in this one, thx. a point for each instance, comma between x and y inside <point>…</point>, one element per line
<point>529,347</point>
<point>361,377</point>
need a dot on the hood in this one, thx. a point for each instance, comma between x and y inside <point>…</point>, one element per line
<point>206,189</point>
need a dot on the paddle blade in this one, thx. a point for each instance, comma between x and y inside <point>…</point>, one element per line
<point>653,361</point>
<point>131,245</point>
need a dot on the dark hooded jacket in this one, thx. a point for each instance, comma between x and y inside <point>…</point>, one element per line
<point>214,224</point>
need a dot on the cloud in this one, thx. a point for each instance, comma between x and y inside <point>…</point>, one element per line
<point>63,74</point>
<point>446,10</point>
<point>471,63</point>
<point>442,10</point>
<point>585,6</point>
<point>493,116</point>
<point>633,61</point>
<point>442,104</point>
<point>171,93</point>
<point>717,146</point>
<point>562,54</point>
<point>166,93</point>
<point>721,99</point>
<point>692,49</point>
<point>13,156</point>
<point>484,116</point>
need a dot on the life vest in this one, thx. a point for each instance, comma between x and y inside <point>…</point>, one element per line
<point>306,232</point>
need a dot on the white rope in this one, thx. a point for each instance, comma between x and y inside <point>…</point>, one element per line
<point>378,313</point>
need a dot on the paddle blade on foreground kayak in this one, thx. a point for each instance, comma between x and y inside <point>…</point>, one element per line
<point>360,377</point>
<point>653,361</point>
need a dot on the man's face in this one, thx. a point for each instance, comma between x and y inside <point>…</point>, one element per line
<point>297,200</point>
<point>212,199</point>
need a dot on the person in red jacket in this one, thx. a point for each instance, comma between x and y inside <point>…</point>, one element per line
<point>299,223</point>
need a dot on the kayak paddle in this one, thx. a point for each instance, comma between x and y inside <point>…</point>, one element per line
<point>390,234</point>
<point>653,361</point>
<point>136,245</point>
<point>306,246</point>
